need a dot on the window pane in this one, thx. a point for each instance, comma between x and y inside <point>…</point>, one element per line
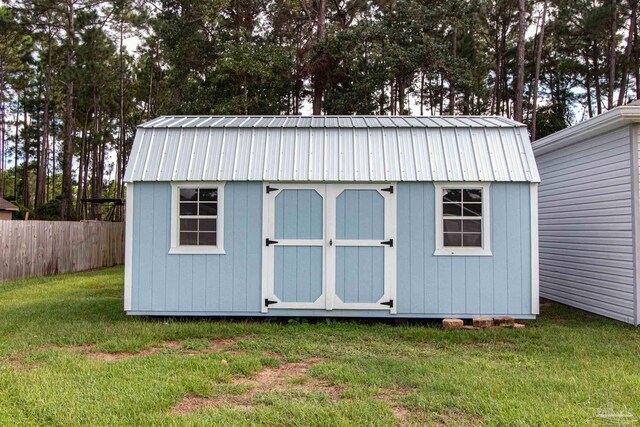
<point>208,194</point>
<point>188,238</point>
<point>473,239</point>
<point>208,209</point>
<point>188,208</point>
<point>207,225</point>
<point>472,195</point>
<point>452,195</point>
<point>188,194</point>
<point>472,226</point>
<point>208,239</point>
<point>472,209</point>
<point>452,239</point>
<point>451,209</point>
<point>188,225</point>
<point>452,225</point>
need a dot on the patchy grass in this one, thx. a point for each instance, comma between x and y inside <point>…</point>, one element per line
<point>70,356</point>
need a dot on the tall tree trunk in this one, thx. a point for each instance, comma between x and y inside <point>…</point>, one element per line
<point>67,148</point>
<point>422,94</point>
<point>15,156</point>
<point>452,84</point>
<point>25,164</point>
<point>522,28</point>
<point>42,167</point>
<point>3,133</point>
<point>120,154</point>
<point>536,78</point>
<point>53,157</point>
<point>402,92</point>
<point>319,74</point>
<point>596,75</point>
<point>624,69</point>
<point>587,83</point>
<point>612,52</point>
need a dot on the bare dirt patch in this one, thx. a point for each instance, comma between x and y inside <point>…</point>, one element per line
<point>214,345</point>
<point>286,378</point>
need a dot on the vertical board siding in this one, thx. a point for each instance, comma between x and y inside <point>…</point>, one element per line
<point>298,273</point>
<point>427,285</point>
<point>456,285</point>
<point>197,283</point>
<point>42,248</point>
<point>359,274</point>
<point>360,215</point>
<point>585,217</point>
<point>298,214</point>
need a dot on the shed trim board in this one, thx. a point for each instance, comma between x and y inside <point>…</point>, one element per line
<point>335,216</point>
<point>128,248</point>
<point>535,256</point>
<point>634,129</point>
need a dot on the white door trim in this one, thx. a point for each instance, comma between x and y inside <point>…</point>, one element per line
<point>390,208</point>
<point>328,299</point>
<point>268,251</point>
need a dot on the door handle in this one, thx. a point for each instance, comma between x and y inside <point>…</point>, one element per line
<point>330,242</point>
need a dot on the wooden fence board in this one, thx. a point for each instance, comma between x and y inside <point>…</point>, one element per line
<point>42,248</point>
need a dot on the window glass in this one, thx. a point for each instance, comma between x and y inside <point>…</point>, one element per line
<point>462,217</point>
<point>198,213</point>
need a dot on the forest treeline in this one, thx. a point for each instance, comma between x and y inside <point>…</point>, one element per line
<point>72,92</point>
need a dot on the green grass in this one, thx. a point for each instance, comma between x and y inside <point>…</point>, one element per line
<point>564,369</point>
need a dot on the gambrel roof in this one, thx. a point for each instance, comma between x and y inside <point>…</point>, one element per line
<point>331,148</point>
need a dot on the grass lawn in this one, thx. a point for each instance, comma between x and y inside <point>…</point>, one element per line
<point>70,356</point>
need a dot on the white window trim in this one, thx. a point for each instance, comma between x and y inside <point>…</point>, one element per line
<point>176,248</point>
<point>485,250</point>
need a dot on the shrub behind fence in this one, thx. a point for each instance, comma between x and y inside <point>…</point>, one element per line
<point>42,248</point>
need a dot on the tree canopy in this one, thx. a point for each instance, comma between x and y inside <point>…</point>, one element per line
<point>77,76</point>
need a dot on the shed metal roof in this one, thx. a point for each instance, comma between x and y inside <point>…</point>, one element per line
<point>331,148</point>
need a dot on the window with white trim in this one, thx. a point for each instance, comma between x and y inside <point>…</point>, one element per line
<point>462,221</point>
<point>197,225</point>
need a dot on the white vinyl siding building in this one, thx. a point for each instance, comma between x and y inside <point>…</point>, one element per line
<point>588,214</point>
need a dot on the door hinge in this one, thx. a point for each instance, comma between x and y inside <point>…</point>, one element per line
<point>270,189</point>
<point>268,241</point>
<point>268,302</point>
<point>388,189</point>
<point>389,303</point>
<point>387,242</point>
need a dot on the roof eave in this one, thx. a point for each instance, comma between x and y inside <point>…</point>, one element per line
<point>610,120</point>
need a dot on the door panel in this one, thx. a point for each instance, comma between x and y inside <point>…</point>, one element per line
<point>298,273</point>
<point>360,215</point>
<point>359,274</point>
<point>298,215</point>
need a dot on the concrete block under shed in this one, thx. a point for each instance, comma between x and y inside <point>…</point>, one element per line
<point>451,324</point>
<point>482,322</point>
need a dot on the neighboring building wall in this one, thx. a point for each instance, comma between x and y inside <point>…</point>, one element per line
<point>586,234</point>
<point>427,286</point>
<point>5,215</point>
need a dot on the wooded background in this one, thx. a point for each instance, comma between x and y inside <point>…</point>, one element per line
<point>77,76</point>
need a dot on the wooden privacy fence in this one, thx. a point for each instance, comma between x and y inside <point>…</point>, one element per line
<point>41,248</point>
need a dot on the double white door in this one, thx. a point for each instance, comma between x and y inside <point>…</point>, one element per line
<point>329,246</point>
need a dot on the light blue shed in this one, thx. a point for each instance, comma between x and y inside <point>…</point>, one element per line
<point>377,216</point>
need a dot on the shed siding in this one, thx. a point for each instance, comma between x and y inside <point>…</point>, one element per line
<point>427,286</point>
<point>490,285</point>
<point>586,234</point>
